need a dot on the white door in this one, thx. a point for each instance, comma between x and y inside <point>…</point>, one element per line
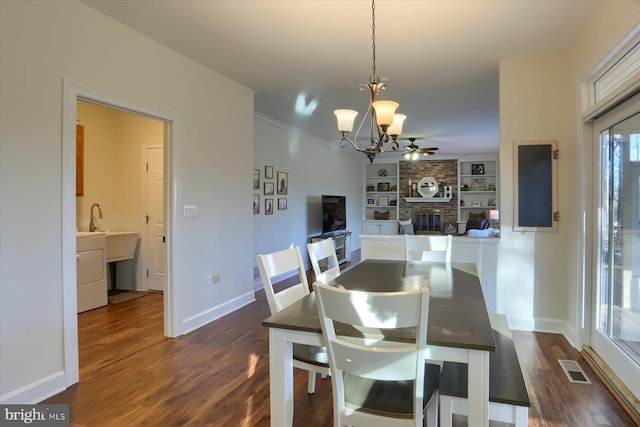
<point>155,219</point>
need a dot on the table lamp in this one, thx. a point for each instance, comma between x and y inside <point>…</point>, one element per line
<point>494,215</point>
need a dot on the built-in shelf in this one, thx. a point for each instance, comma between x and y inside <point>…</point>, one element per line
<point>427,199</point>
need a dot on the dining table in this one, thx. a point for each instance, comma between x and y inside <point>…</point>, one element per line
<point>458,328</point>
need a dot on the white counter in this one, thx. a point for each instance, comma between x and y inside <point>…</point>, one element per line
<point>481,251</point>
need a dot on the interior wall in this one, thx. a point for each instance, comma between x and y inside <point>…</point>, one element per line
<point>540,275</point>
<point>314,169</point>
<point>42,43</point>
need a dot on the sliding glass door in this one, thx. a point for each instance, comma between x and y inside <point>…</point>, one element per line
<point>616,329</point>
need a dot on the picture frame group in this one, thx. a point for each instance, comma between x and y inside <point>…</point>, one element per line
<point>270,187</point>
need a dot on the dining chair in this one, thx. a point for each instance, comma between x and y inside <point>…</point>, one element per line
<point>428,248</point>
<point>377,382</point>
<point>322,251</point>
<point>311,358</point>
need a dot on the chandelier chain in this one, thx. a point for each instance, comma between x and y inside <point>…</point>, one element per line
<point>374,78</point>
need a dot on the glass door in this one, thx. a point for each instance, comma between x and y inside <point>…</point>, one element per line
<point>616,329</point>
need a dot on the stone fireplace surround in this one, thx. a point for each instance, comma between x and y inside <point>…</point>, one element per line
<point>441,170</point>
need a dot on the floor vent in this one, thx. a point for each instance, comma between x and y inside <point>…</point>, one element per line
<point>573,371</point>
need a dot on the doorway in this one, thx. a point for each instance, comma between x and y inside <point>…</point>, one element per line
<point>616,304</point>
<point>72,92</point>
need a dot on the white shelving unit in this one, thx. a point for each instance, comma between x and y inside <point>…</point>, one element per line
<point>341,243</point>
<point>477,187</point>
<point>381,199</point>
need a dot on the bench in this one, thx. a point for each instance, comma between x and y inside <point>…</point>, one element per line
<point>508,397</point>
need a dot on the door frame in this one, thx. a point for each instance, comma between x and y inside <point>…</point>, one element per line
<point>72,92</point>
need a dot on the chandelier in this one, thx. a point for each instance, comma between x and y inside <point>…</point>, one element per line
<point>386,125</point>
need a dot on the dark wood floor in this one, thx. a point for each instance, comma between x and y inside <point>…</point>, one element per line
<point>218,375</point>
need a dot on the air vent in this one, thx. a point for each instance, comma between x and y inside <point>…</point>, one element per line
<point>573,371</point>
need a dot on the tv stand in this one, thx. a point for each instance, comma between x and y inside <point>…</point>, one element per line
<point>341,242</point>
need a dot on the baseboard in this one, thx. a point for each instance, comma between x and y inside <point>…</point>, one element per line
<point>37,391</point>
<point>194,322</point>
<point>618,389</point>
<point>552,326</point>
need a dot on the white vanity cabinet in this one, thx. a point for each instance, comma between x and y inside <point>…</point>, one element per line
<point>91,271</point>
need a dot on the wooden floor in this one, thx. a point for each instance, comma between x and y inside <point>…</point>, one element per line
<point>218,375</point>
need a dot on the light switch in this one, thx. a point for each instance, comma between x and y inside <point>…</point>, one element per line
<point>190,210</point>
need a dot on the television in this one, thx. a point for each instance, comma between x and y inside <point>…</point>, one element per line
<point>334,213</point>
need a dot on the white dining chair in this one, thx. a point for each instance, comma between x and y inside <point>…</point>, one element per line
<point>311,358</point>
<point>422,247</point>
<point>324,251</point>
<point>377,382</point>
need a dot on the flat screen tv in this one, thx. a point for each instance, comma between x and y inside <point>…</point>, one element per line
<point>334,213</point>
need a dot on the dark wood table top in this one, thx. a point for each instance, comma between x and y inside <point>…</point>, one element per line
<point>457,311</point>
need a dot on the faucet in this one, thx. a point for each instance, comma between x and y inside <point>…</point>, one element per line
<point>92,225</point>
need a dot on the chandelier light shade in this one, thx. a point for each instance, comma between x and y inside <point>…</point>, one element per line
<point>386,125</point>
<point>345,119</point>
<point>396,126</point>
<point>384,112</point>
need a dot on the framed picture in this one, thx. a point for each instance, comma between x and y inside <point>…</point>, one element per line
<point>256,179</point>
<point>384,186</point>
<point>282,204</point>
<point>268,172</point>
<point>478,184</point>
<point>475,204</point>
<point>492,202</point>
<point>477,169</point>
<point>268,188</point>
<point>268,206</point>
<point>256,204</point>
<point>283,182</point>
<point>371,201</point>
<point>383,201</point>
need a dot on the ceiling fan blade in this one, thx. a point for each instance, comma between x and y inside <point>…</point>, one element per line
<point>429,150</point>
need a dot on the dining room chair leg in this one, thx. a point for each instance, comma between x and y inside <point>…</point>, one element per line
<point>311,383</point>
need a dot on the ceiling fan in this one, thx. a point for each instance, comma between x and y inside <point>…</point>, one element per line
<point>413,151</point>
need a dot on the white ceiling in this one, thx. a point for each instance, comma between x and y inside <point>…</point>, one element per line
<point>441,57</point>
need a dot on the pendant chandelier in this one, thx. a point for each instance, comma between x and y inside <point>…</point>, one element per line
<point>386,125</point>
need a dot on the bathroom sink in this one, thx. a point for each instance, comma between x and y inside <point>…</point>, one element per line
<point>121,245</point>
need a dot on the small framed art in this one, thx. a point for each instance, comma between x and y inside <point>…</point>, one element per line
<point>283,182</point>
<point>256,204</point>
<point>383,201</point>
<point>256,179</point>
<point>268,172</point>
<point>476,204</point>
<point>268,188</point>
<point>268,206</point>
<point>282,204</point>
<point>477,169</point>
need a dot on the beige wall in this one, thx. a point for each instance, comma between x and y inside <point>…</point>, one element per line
<point>543,278</point>
<point>114,142</point>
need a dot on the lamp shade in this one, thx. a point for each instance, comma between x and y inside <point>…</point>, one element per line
<point>345,119</point>
<point>396,125</point>
<point>384,112</point>
<point>494,214</point>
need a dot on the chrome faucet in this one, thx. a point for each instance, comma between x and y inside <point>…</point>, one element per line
<point>92,225</point>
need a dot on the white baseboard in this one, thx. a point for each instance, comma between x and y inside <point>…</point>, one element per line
<point>37,391</point>
<point>553,326</point>
<point>194,322</point>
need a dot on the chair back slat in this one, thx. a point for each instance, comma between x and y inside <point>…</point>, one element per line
<point>370,361</point>
<point>279,263</point>
<point>321,251</point>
